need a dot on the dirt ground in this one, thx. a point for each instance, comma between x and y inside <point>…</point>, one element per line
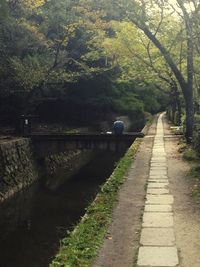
<point>121,244</point>
<point>186,207</point>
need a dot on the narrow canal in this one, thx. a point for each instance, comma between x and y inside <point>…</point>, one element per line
<point>33,223</point>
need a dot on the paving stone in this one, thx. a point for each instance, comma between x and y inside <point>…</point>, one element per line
<point>158,157</point>
<point>159,199</point>
<point>157,175</point>
<point>158,154</point>
<point>158,219</point>
<point>161,164</point>
<point>153,174</point>
<point>154,177</point>
<point>154,166</point>
<point>157,237</point>
<point>158,180</point>
<point>159,168</point>
<point>158,151</point>
<point>158,256</point>
<point>158,172</point>
<point>159,184</point>
<point>158,208</point>
<point>158,191</point>
<point>154,162</point>
<point>163,156</point>
<point>159,160</point>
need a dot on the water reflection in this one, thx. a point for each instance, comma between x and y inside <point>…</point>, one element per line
<point>32,224</point>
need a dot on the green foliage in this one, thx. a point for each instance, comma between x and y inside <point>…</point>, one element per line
<point>33,30</point>
<point>193,156</point>
<point>82,53</point>
<point>29,72</point>
<point>46,46</point>
<point>177,118</point>
<point>190,154</point>
<point>196,135</point>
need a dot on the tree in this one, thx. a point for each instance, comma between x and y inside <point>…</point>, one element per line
<point>149,17</point>
<point>186,83</point>
<point>139,61</point>
<point>41,52</point>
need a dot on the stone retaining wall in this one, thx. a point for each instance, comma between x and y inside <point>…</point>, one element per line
<point>18,169</point>
<point>58,168</point>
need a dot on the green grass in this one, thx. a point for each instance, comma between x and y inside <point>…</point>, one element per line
<point>136,257</point>
<point>148,124</point>
<point>82,245</point>
<point>196,193</point>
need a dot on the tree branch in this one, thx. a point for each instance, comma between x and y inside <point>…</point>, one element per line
<point>165,54</point>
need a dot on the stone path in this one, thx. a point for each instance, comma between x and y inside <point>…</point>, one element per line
<point>157,242</point>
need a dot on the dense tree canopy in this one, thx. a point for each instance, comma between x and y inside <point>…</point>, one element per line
<point>108,57</point>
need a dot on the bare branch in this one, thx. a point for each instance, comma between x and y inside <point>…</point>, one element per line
<point>147,63</point>
<point>175,10</point>
<point>164,52</point>
<point>161,20</point>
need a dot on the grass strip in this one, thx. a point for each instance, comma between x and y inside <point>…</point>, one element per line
<point>82,245</point>
<point>148,124</point>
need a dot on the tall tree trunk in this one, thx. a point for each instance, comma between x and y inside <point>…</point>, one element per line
<point>173,107</point>
<point>188,90</point>
<point>177,99</point>
<point>178,109</point>
<point>189,116</point>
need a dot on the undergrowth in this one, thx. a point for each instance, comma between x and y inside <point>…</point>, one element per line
<point>193,158</point>
<point>82,245</point>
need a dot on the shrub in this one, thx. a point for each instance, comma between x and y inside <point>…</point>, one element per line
<point>177,119</point>
<point>190,154</point>
<point>196,134</point>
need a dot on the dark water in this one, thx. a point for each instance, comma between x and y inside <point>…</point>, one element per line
<point>32,223</point>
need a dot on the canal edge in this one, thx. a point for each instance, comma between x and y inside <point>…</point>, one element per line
<point>62,257</point>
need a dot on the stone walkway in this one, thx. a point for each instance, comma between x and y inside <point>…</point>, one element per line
<point>157,242</point>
